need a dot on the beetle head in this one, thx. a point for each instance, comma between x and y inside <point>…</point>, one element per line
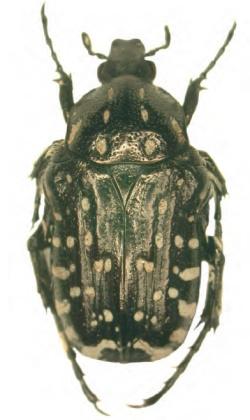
<point>126,57</point>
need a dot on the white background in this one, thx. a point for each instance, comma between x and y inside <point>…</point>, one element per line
<point>36,378</point>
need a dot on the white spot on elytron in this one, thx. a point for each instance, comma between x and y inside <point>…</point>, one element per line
<point>141,93</point>
<point>67,211</point>
<point>75,292</point>
<point>159,240</point>
<point>90,292</point>
<point>138,316</point>
<point>155,353</point>
<point>149,146</point>
<point>60,272</point>
<point>176,269</point>
<point>71,334</point>
<point>72,268</point>
<point>162,207</point>
<point>149,266</point>
<point>100,317</point>
<point>178,335</point>
<point>158,294</point>
<point>56,241</point>
<point>110,94</point>
<point>62,307</point>
<point>139,264</point>
<point>98,265</point>
<point>69,178</point>
<point>58,217</point>
<point>144,114</point>
<point>96,351</point>
<point>70,241</point>
<point>106,116</point>
<point>85,204</point>
<point>178,240</point>
<point>117,329</point>
<point>108,316</point>
<point>101,146</point>
<point>173,292</point>
<point>94,323</point>
<point>193,243</point>
<point>191,218</point>
<point>64,342</point>
<point>74,129</point>
<point>186,310</point>
<point>190,273</point>
<point>88,239</point>
<point>154,320</point>
<point>107,265</point>
<point>180,182</point>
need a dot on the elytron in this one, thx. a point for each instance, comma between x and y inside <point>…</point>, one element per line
<point>118,250</point>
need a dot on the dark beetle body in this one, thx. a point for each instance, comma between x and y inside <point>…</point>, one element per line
<point>118,252</point>
<point>124,209</point>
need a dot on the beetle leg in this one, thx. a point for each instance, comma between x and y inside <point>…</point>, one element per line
<point>64,81</point>
<point>212,309</point>
<point>76,368</point>
<point>194,88</point>
<point>40,255</point>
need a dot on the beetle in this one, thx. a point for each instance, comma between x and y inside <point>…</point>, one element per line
<point>117,253</point>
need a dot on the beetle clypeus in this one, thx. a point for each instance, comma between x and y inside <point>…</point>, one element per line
<point>117,255</point>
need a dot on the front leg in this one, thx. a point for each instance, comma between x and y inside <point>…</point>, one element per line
<point>193,91</point>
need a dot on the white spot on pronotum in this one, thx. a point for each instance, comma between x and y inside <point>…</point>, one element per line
<point>190,273</point>
<point>138,316</point>
<point>88,239</point>
<point>149,146</point>
<point>158,294</point>
<point>110,94</point>
<point>101,145</point>
<point>108,316</point>
<point>107,265</point>
<point>74,129</point>
<point>173,292</point>
<point>154,320</point>
<point>191,218</point>
<point>193,243</point>
<point>98,265</point>
<point>178,335</point>
<point>94,323</point>
<point>58,217</point>
<point>89,292</point>
<point>56,242</point>
<point>85,204</point>
<point>72,268</point>
<point>62,307</point>
<point>60,272</point>
<point>106,116</point>
<point>69,178</point>
<point>149,266</point>
<point>178,240</point>
<point>75,292</point>
<point>177,130</point>
<point>70,241</point>
<point>141,93</point>
<point>162,206</point>
<point>185,309</point>
<point>176,269</point>
<point>159,240</point>
<point>144,114</point>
